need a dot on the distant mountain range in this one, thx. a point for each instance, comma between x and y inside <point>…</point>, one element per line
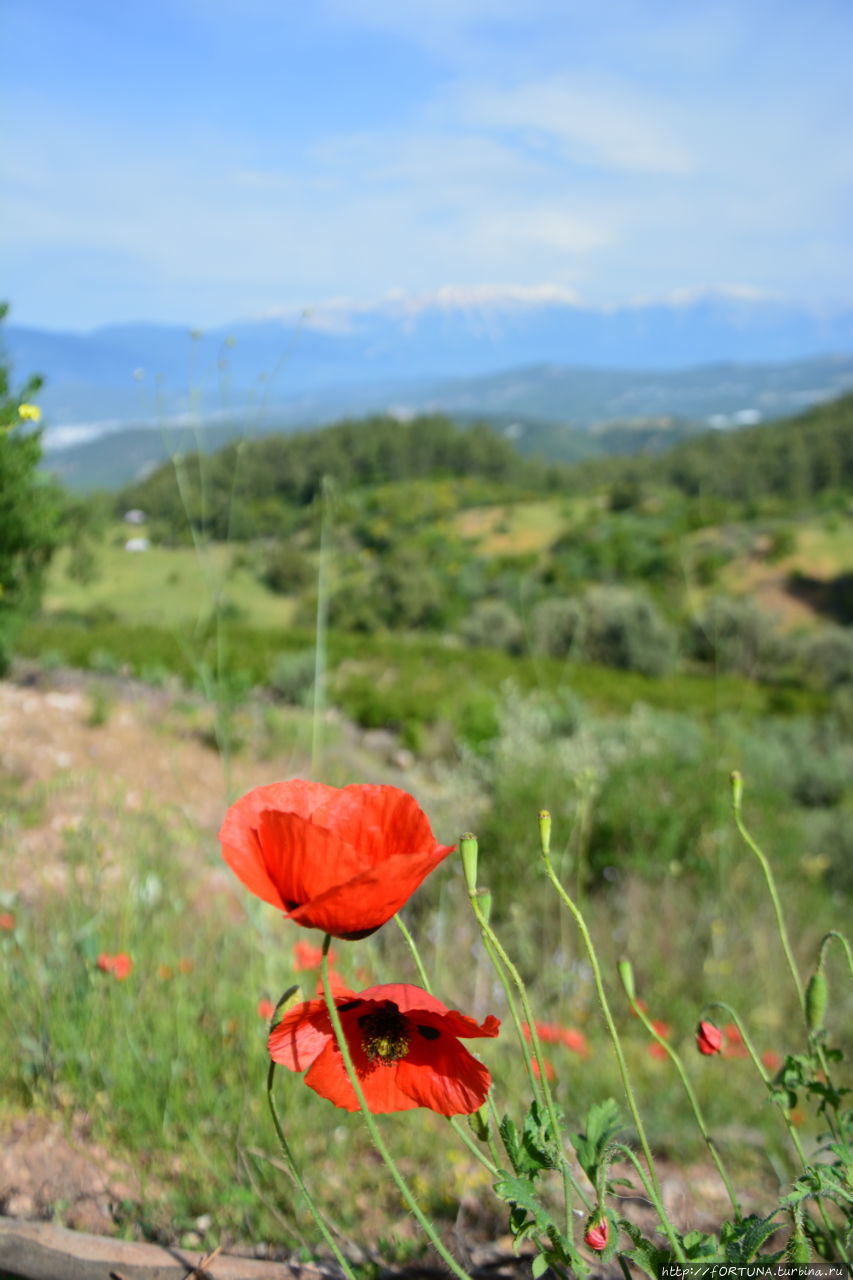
<point>528,359</point>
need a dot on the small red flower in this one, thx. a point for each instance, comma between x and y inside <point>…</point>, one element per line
<point>185,965</point>
<point>662,1028</point>
<point>550,1073</point>
<point>7,920</point>
<point>597,1233</point>
<point>337,985</point>
<point>771,1059</point>
<point>405,1048</point>
<point>266,1009</point>
<point>165,972</point>
<point>121,966</point>
<point>709,1038</point>
<point>118,965</point>
<point>343,861</point>
<point>656,1050</point>
<point>734,1046</point>
<point>307,957</point>
<point>576,1041</point>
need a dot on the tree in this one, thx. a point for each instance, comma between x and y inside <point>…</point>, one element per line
<point>29,508</point>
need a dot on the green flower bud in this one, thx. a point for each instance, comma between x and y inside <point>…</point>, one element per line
<point>816,997</point>
<point>468,849</point>
<point>737,788</point>
<point>545,831</point>
<point>626,973</point>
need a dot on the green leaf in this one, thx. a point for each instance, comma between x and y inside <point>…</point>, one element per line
<point>742,1240</point>
<point>539,1265</point>
<point>602,1124</point>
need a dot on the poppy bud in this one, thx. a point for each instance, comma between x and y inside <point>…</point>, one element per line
<point>626,973</point>
<point>596,1235</point>
<point>545,831</point>
<point>709,1039</point>
<point>468,849</point>
<point>816,996</point>
<point>737,788</point>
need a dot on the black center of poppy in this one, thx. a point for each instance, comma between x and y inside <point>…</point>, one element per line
<point>385,1034</point>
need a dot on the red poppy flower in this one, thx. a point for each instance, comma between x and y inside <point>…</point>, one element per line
<point>734,1046</point>
<point>656,1050</point>
<point>307,957</point>
<point>550,1073</point>
<point>343,861</point>
<point>597,1234</point>
<point>105,962</point>
<point>709,1038</point>
<point>7,920</point>
<point>404,1046</point>
<point>771,1060</point>
<point>576,1041</point>
<point>336,983</point>
<point>266,1009</point>
<point>121,965</point>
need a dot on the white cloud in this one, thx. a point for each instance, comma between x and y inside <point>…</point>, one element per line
<point>606,124</point>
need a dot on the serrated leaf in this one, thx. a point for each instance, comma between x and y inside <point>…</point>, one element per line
<point>742,1240</point>
<point>603,1122</point>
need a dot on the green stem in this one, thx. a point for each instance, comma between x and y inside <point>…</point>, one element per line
<point>458,1128</point>
<point>694,1103</point>
<point>608,1018</point>
<point>737,789</point>
<point>784,1113</point>
<point>653,1192</point>
<point>372,1127</point>
<point>493,945</point>
<point>825,941</point>
<point>297,1177</point>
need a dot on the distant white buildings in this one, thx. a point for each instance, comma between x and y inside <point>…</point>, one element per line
<point>135,516</point>
<point>137,544</point>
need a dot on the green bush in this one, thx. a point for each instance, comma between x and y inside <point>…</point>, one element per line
<point>494,624</point>
<point>554,626</point>
<point>737,636</point>
<point>292,676</point>
<point>622,628</point>
<point>287,569</point>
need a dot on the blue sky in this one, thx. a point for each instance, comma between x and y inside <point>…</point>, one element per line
<point>204,161</point>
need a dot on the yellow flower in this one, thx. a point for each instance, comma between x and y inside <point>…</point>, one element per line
<point>29,412</point>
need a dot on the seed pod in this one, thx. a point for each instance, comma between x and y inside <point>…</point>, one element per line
<point>468,849</point>
<point>816,997</point>
<point>626,973</point>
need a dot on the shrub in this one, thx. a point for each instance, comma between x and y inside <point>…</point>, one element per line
<point>292,676</point>
<point>494,624</point>
<point>287,569</point>
<point>554,626</point>
<point>622,628</point>
<point>737,636</point>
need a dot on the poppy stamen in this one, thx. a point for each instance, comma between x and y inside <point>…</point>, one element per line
<point>385,1035</point>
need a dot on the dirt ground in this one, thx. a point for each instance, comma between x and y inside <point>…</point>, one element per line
<point>54,745</point>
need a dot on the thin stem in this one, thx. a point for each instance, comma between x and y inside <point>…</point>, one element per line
<point>372,1128</point>
<point>608,1018</point>
<point>653,1192</point>
<point>322,628</point>
<point>496,950</point>
<point>297,1177</point>
<point>737,788</point>
<point>825,941</point>
<point>694,1103</point>
<point>783,1111</point>
<point>457,1126</point>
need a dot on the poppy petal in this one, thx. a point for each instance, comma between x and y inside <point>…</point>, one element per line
<point>302,859</point>
<point>238,835</point>
<point>378,820</point>
<point>441,1074</point>
<point>301,1036</point>
<point>361,905</point>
